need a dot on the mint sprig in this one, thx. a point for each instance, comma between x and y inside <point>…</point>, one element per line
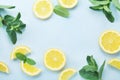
<point>13,26</point>
<point>6,7</point>
<point>91,71</point>
<point>104,6</point>
<point>23,58</point>
<point>61,11</point>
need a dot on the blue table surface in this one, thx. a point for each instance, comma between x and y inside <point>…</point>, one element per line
<point>77,36</point>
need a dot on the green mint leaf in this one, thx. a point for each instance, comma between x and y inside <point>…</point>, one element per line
<point>91,61</point>
<point>59,10</point>
<point>107,9</point>
<point>1,21</point>
<point>21,57</point>
<point>96,2</point>
<point>22,26</point>
<point>30,61</point>
<point>6,7</point>
<point>101,70</point>
<point>14,26</point>
<point>100,7</point>
<point>117,4</point>
<point>89,75</point>
<point>109,16</point>
<point>90,68</point>
<point>17,17</point>
<point>12,35</point>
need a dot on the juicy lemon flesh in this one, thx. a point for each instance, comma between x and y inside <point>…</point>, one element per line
<point>3,67</point>
<point>23,50</point>
<point>43,8</point>
<point>66,75</point>
<point>29,68</point>
<point>115,63</point>
<point>54,59</point>
<point>68,2</point>
<point>111,41</point>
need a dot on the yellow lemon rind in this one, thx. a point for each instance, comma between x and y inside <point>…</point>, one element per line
<point>102,47</point>
<point>12,57</point>
<point>54,69</point>
<point>39,16</point>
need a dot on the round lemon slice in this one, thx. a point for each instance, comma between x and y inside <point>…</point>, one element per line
<point>115,63</point>
<point>4,68</point>
<point>30,69</point>
<point>43,9</point>
<point>67,74</point>
<point>110,41</point>
<point>20,49</point>
<point>54,59</point>
<point>68,3</point>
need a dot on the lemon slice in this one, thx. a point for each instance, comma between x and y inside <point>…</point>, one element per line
<point>20,49</point>
<point>4,68</point>
<point>115,63</point>
<point>68,3</point>
<point>54,59</point>
<point>67,74</point>
<point>30,69</point>
<point>110,41</point>
<point>43,9</point>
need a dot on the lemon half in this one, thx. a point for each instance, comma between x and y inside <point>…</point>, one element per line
<point>115,63</point>
<point>110,41</point>
<point>43,9</point>
<point>68,3</point>
<point>20,49</point>
<point>4,68</point>
<point>54,59</point>
<point>67,74</point>
<point>30,69</point>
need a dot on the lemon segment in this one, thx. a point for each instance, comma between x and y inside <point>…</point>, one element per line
<point>4,68</point>
<point>68,3</point>
<point>20,49</point>
<point>67,74</point>
<point>30,69</point>
<point>43,9</point>
<point>115,63</point>
<point>110,41</point>
<point>54,59</point>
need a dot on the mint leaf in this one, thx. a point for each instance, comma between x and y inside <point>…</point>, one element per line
<point>90,68</point>
<point>14,26</point>
<point>117,4</point>
<point>100,7</point>
<point>30,61</point>
<point>89,75</point>
<point>12,35</point>
<point>96,2</point>
<point>101,70</point>
<point>91,61</point>
<point>90,71</point>
<point>108,15</point>
<point>21,57</point>
<point>1,23</point>
<point>6,7</point>
<point>59,10</point>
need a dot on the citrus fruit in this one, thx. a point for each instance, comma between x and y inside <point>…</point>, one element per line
<point>4,68</point>
<point>110,41</point>
<point>54,59</point>
<point>20,49</point>
<point>43,9</point>
<point>115,63</point>
<point>67,74</point>
<point>68,3</point>
<point>30,69</point>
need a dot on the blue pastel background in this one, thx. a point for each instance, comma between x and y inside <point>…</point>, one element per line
<point>77,36</point>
